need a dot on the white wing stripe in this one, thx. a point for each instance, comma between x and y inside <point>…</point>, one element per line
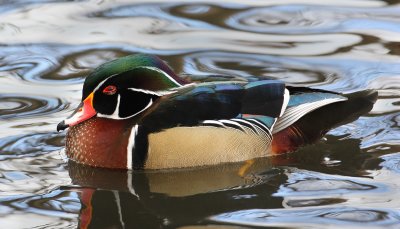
<point>286,98</point>
<point>232,123</point>
<point>262,127</point>
<point>214,122</point>
<point>249,126</point>
<point>292,114</point>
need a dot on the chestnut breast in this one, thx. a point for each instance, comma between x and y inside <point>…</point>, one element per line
<point>99,142</point>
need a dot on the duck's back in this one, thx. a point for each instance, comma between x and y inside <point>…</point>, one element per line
<point>230,122</point>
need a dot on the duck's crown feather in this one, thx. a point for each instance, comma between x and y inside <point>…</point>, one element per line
<point>128,65</point>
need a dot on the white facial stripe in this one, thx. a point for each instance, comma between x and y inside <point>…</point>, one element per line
<point>164,73</point>
<point>131,145</point>
<point>115,114</point>
<point>151,68</point>
<point>157,93</point>
<point>102,82</point>
<point>148,105</point>
<point>116,111</point>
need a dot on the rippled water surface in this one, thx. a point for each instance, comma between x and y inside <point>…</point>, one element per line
<point>350,179</point>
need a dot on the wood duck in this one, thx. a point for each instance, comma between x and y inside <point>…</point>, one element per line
<point>136,113</point>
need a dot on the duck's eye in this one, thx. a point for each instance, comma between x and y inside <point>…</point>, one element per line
<point>110,90</point>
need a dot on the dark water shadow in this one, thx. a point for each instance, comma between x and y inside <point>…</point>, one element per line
<point>202,196</point>
<point>171,198</point>
<point>335,155</point>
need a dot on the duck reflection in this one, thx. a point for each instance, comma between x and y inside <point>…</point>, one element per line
<point>174,198</point>
<point>337,155</point>
<point>129,199</point>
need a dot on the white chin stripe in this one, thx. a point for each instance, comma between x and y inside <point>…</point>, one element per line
<point>116,116</point>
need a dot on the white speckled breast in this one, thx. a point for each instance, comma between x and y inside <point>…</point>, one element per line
<point>99,142</point>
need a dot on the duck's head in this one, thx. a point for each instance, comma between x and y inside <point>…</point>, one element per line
<point>123,88</point>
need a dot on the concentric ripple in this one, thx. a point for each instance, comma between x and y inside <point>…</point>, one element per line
<point>159,11</point>
<point>253,67</point>
<point>284,19</point>
<point>76,66</point>
<point>19,106</point>
<point>55,63</point>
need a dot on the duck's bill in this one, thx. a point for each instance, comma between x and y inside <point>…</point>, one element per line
<point>84,111</point>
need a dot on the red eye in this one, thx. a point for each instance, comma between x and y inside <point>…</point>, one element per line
<point>110,90</point>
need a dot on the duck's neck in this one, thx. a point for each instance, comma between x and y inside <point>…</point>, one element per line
<point>99,142</point>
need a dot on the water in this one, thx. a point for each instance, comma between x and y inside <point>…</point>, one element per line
<point>350,179</point>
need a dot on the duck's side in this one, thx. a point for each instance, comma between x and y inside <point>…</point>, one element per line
<point>164,138</point>
<point>210,145</point>
<point>137,114</point>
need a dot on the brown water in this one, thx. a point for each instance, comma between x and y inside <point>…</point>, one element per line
<point>350,179</point>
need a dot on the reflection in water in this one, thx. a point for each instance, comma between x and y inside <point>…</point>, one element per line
<point>349,179</point>
<point>336,155</point>
<point>168,198</point>
<point>173,198</point>
<point>313,217</point>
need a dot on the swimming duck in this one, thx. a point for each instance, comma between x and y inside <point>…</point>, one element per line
<point>136,113</point>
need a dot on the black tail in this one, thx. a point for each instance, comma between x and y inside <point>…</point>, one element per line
<point>315,124</point>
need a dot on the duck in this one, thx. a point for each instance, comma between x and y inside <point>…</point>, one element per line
<point>136,114</point>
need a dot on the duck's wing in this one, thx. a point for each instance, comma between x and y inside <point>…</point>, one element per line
<point>219,111</point>
<point>237,105</point>
<point>326,110</point>
<point>303,101</point>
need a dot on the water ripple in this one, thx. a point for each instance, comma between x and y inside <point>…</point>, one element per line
<point>347,179</point>
<point>29,145</point>
<point>159,11</point>
<point>297,19</point>
<point>308,183</point>
<point>392,162</point>
<point>252,67</point>
<point>56,203</point>
<point>21,106</point>
<point>377,131</point>
<point>295,203</point>
<point>75,66</point>
<point>315,217</point>
<point>166,34</point>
